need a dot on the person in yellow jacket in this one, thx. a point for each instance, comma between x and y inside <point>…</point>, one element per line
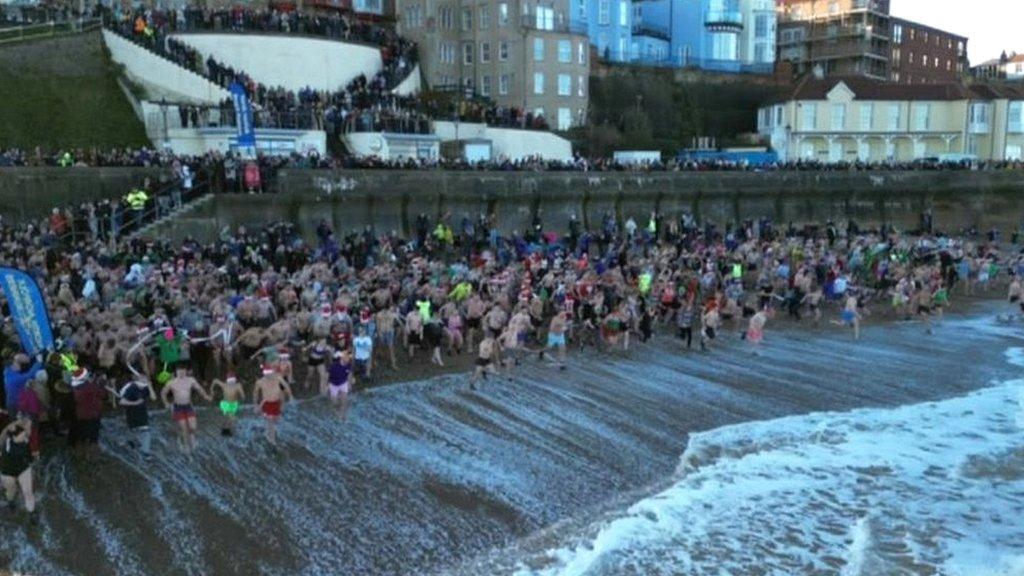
<point>66,160</point>
<point>136,200</point>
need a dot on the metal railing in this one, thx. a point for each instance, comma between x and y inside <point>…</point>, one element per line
<point>173,116</point>
<point>12,34</point>
<point>652,30</point>
<point>123,221</point>
<point>529,21</point>
<point>724,18</point>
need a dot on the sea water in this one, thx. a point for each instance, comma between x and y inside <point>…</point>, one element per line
<point>935,488</point>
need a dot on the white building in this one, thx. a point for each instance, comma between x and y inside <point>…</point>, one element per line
<point>857,119</point>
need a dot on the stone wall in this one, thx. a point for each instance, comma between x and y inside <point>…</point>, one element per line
<point>391,200</point>
<point>27,193</point>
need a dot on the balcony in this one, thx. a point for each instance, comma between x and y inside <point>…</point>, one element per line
<point>652,31</point>
<point>724,21</point>
<point>530,22</point>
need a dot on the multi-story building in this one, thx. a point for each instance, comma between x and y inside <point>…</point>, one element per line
<point>723,35</point>
<point>757,41</point>
<point>609,23</point>
<point>1006,67</point>
<point>924,54</point>
<point>837,37</point>
<point>861,38</point>
<point>858,119</point>
<point>522,55</point>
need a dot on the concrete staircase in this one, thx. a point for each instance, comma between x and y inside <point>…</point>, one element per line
<point>183,211</point>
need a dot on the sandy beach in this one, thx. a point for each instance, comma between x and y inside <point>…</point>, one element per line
<point>429,477</point>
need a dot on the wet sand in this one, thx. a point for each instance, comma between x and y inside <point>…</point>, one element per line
<point>429,477</point>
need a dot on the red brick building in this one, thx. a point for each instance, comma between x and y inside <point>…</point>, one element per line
<point>861,38</point>
<point>922,54</point>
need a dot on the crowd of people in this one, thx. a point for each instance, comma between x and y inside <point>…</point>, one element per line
<point>268,315</point>
<point>369,102</point>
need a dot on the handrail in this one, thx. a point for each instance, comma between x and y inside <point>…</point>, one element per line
<point>132,222</point>
<point>51,29</point>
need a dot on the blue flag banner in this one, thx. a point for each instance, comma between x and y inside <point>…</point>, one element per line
<point>28,310</point>
<point>243,116</point>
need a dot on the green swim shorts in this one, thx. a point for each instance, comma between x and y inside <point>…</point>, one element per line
<point>228,408</point>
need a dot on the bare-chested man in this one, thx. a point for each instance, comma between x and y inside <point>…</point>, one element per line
<point>710,321</point>
<point>474,316</point>
<point>232,394</point>
<point>556,337</point>
<point>387,321</point>
<point>413,331</point>
<point>850,316</point>
<point>269,394</point>
<point>177,395</point>
<point>485,360</point>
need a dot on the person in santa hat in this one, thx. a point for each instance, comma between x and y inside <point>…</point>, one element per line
<point>89,397</point>
<point>232,395</point>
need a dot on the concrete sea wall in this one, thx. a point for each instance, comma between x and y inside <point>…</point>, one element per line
<point>392,200</point>
<point>27,193</point>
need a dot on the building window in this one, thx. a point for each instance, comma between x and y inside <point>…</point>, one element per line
<point>467,52</point>
<point>538,49</point>
<point>838,116</point>
<point>581,81</point>
<point>503,85</point>
<point>564,118</point>
<point>467,20</point>
<point>565,51</point>
<point>564,85</point>
<point>485,16</point>
<point>867,113</point>
<point>778,115</point>
<point>538,82</point>
<point>810,117</point>
<point>503,14</point>
<point>447,53</point>
<point>623,13</point>
<point>485,85</point>
<point>503,51</point>
<point>1016,118</point>
<point>604,12</point>
<point>924,60</point>
<point>485,52</point>
<point>979,113</point>
<point>545,18</point>
<point>921,114</point>
<point>581,53</point>
<point>759,53</point>
<point>761,26</point>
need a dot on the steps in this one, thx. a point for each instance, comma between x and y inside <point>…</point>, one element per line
<point>183,211</point>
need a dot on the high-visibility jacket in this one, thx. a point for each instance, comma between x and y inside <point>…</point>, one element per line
<point>66,160</point>
<point>137,199</point>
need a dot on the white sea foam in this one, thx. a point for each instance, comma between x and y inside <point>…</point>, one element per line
<point>930,488</point>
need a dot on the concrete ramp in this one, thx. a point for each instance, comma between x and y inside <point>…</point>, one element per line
<point>161,78</point>
<point>289,61</point>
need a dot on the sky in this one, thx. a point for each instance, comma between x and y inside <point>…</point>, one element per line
<point>991,26</point>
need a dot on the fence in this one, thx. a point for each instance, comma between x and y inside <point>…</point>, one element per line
<point>123,221</point>
<point>13,34</point>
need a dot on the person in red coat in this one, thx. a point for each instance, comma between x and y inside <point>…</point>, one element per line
<point>89,397</point>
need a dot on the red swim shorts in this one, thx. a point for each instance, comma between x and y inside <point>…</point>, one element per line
<point>271,409</point>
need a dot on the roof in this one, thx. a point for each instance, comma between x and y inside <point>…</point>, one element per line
<point>810,88</point>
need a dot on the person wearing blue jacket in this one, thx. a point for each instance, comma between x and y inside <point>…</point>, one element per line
<point>16,376</point>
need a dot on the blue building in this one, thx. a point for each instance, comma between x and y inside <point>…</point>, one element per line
<point>609,23</point>
<point>721,35</point>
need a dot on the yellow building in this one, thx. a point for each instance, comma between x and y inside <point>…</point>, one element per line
<point>861,120</point>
